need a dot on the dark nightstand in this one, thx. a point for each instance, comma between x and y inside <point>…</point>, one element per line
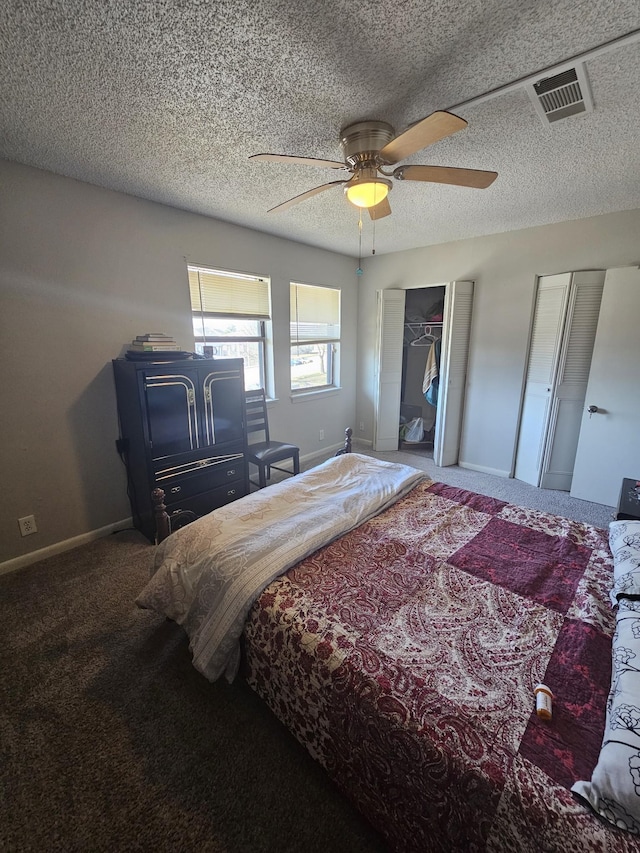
<point>629,503</point>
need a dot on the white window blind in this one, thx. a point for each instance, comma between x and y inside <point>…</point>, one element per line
<point>227,294</point>
<point>314,314</point>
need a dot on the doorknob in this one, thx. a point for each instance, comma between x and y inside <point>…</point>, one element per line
<point>592,410</point>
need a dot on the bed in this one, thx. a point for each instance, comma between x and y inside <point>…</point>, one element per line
<point>399,626</point>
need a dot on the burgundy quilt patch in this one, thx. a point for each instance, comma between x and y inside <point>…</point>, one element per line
<point>533,564</point>
<point>481,503</point>
<point>567,746</point>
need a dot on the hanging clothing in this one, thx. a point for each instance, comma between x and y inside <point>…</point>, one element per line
<point>431,374</point>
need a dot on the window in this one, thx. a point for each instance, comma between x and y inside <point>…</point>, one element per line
<point>230,312</point>
<point>315,336</point>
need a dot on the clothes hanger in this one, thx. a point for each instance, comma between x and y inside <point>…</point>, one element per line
<point>425,339</point>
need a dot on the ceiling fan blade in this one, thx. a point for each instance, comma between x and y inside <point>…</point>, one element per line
<point>425,132</point>
<point>309,193</point>
<point>304,161</point>
<point>382,209</point>
<point>476,178</point>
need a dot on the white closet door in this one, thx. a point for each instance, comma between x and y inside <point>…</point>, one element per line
<point>388,384</point>
<point>544,353</point>
<point>609,446</point>
<point>571,382</point>
<point>453,369</point>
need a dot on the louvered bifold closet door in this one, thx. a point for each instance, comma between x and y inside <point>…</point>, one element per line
<point>568,399</point>
<point>544,356</point>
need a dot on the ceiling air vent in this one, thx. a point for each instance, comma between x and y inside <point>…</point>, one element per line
<point>563,95</point>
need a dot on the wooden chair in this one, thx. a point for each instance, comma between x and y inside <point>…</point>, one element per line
<point>263,454</point>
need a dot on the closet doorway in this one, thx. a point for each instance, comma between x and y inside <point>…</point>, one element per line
<point>400,373</point>
<point>421,357</point>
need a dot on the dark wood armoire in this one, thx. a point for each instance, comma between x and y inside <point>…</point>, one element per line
<point>182,428</point>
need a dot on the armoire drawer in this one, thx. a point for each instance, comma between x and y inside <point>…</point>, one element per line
<point>199,478</point>
<point>208,501</point>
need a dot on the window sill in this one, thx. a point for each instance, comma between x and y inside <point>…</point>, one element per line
<point>303,396</point>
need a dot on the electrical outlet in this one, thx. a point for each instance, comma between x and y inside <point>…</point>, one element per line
<point>27,525</point>
<point>321,435</point>
<point>361,426</point>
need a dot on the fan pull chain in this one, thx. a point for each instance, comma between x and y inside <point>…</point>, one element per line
<point>373,239</point>
<point>359,270</point>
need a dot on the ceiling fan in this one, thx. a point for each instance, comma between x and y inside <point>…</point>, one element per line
<point>370,146</point>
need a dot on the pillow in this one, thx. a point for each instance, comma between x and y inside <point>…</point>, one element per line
<point>624,541</point>
<point>614,790</point>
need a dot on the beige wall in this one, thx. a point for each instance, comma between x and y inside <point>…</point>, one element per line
<point>82,271</point>
<point>504,268</point>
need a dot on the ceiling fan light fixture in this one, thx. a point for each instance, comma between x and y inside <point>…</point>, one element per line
<point>370,146</point>
<point>366,189</point>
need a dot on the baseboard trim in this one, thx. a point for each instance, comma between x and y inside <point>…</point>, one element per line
<point>325,453</point>
<point>362,442</point>
<point>497,472</point>
<point>61,547</point>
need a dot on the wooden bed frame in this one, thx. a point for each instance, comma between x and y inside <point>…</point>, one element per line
<point>163,519</point>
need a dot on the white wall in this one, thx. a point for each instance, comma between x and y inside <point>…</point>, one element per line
<point>504,268</point>
<point>82,271</point>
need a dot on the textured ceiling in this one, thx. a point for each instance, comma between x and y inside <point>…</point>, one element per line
<point>166,99</point>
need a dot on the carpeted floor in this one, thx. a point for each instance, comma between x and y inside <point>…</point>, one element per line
<point>111,741</point>
<point>504,488</point>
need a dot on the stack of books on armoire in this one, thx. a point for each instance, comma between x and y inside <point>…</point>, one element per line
<point>154,342</point>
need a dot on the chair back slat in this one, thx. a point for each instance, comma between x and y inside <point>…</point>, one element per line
<point>256,412</point>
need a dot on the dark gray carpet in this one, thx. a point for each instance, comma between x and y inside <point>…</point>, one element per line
<point>111,741</point>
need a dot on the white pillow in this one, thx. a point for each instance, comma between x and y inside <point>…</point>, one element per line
<point>624,541</point>
<point>614,790</point>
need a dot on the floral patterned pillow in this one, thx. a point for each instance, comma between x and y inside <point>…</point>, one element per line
<point>624,541</point>
<point>614,790</point>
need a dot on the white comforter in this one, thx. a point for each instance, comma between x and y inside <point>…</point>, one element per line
<point>207,575</point>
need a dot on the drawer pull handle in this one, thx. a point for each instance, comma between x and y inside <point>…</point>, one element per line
<point>176,489</point>
<point>231,472</point>
<point>231,492</point>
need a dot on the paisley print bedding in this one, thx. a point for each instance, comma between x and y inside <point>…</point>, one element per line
<point>404,656</point>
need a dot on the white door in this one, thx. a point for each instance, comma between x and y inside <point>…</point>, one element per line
<point>609,444</point>
<point>571,382</point>
<point>544,353</point>
<point>453,370</point>
<point>388,383</point>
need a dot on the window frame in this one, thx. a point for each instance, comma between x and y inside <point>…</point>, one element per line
<point>198,316</point>
<point>332,341</point>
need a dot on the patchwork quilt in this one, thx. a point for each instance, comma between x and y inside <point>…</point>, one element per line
<point>404,656</point>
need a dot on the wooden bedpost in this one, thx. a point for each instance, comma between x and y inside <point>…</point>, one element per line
<point>347,442</point>
<point>163,527</point>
